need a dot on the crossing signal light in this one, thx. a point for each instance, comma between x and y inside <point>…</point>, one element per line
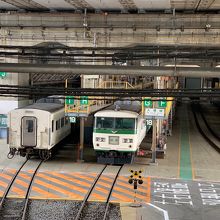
<point>130,181</point>
<point>140,181</point>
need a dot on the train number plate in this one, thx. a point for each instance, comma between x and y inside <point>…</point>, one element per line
<point>114,140</point>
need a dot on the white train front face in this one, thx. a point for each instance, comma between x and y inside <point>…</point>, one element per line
<point>117,131</point>
<point>29,128</point>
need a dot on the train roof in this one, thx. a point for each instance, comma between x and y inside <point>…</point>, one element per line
<point>49,107</point>
<point>116,114</point>
<point>127,105</point>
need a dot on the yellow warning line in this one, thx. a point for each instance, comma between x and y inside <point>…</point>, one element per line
<point>82,176</point>
<point>103,184</point>
<point>96,196</point>
<point>148,189</point>
<point>129,186</point>
<point>62,183</point>
<point>121,197</point>
<point>55,188</point>
<point>3,184</point>
<point>129,192</point>
<point>44,192</point>
<point>6,176</point>
<point>72,179</point>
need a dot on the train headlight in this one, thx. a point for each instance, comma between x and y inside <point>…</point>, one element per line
<point>127,140</point>
<point>130,140</point>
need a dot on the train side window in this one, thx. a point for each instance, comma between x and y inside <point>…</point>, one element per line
<point>58,124</point>
<point>30,126</point>
<point>62,122</point>
<point>52,125</point>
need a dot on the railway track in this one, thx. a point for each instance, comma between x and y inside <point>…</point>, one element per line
<point>13,209</point>
<point>204,128</point>
<point>79,215</point>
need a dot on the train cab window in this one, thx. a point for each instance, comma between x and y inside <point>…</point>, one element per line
<point>58,124</point>
<point>62,122</point>
<point>124,123</point>
<point>29,126</point>
<point>104,123</point>
<point>52,125</point>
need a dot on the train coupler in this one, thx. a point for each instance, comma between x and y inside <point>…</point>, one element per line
<point>11,153</point>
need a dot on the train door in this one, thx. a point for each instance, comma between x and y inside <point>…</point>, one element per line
<point>29,131</point>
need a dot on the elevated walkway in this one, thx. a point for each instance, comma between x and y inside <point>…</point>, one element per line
<point>84,106</point>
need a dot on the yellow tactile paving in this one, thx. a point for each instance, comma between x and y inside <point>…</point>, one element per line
<point>62,183</point>
<point>102,188</point>
<point>71,179</point>
<point>74,186</point>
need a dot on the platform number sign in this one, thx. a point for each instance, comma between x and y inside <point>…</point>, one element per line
<point>84,100</point>
<point>72,119</point>
<point>162,103</point>
<point>148,103</point>
<point>69,100</point>
<point>149,122</point>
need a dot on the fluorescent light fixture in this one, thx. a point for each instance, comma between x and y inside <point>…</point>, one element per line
<point>183,65</point>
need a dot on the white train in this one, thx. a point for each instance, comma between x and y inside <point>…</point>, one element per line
<point>118,132</point>
<point>36,129</point>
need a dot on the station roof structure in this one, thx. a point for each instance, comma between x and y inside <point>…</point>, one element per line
<point>108,5</point>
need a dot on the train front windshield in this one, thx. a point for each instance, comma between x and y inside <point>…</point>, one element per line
<point>115,123</point>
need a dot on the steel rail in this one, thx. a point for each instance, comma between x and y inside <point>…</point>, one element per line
<point>109,195</point>
<point>207,124</point>
<point>88,194</point>
<point>29,190</point>
<point>214,145</point>
<point>10,184</point>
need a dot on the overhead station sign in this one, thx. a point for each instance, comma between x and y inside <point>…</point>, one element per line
<point>154,113</point>
<point>76,107</point>
<point>155,109</point>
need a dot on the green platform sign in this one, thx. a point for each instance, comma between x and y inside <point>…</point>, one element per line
<point>84,100</point>
<point>3,75</point>
<point>162,103</point>
<point>3,121</point>
<point>148,103</point>
<point>69,100</point>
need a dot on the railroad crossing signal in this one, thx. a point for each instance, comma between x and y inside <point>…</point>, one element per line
<point>148,103</point>
<point>162,103</point>
<point>135,178</point>
<point>69,100</point>
<point>84,100</point>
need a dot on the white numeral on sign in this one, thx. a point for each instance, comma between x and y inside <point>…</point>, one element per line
<point>149,122</point>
